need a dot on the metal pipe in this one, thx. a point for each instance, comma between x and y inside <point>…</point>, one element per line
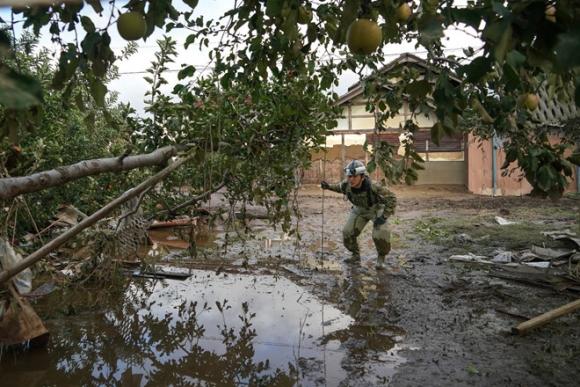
<point>493,165</point>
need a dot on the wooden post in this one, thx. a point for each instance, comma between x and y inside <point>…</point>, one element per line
<point>545,318</point>
<point>342,156</point>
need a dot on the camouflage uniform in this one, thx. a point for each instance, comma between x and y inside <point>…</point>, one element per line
<point>370,202</point>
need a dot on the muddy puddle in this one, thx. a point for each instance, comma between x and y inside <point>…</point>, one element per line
<point>225,329</point>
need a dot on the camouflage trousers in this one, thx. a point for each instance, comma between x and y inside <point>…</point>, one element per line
<point>355,224</point>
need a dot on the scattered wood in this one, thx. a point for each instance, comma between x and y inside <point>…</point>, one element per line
<point>545,318</point>
<point>158,274</point>
<point>536,277</point>
<point>511,314</point>
<point>183,222</point>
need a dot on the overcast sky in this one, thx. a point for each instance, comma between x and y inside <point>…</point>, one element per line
<point>132,87</point>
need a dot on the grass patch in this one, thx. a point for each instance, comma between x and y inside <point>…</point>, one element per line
<point>484,234</point>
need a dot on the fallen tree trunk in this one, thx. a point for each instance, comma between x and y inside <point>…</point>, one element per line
<point>87,222</point>
<point>546,317</point>
<point>14,186</point>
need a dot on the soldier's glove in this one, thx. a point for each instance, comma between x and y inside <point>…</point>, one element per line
<point>324,185</point>
<point>379,221</point>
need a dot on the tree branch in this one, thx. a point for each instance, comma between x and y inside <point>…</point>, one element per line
<point>87,222</point>
<point>194,199</point>
<point>14,186</point>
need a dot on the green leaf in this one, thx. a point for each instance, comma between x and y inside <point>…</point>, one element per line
<point>476,70</point>
<point>504,43</point>
<point>18,91</point>
<point>510,77</point>
<point>87,24</point>
<point>98,91</point>
<point>349,14</point>
<point>437,133</point>
<point>186,72</point>
<point>371,166</point>
<point>568,49</point>
<point>418,89</point>
<point>469,16</point>
<point>96,4</point>
<point>189,40</point>
<point>430,29</point>
<point>515,59</point>
<point>274,7</point>
<point>545,177</point>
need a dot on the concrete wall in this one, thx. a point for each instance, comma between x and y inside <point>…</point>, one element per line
<point>443,172</point>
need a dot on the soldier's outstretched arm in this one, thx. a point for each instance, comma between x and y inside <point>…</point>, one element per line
<point>337,187</point>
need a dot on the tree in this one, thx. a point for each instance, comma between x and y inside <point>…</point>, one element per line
<point>527,45</point>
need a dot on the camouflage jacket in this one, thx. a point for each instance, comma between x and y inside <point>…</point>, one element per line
<point>369,195</point>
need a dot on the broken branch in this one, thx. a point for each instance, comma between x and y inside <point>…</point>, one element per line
<point>87,222</point>
<point>14,186</point>
<point>194,199</point>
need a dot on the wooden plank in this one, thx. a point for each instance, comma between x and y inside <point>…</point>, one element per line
<point>545,318</point>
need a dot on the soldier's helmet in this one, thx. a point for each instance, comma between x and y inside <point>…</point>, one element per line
<point>354,168</point>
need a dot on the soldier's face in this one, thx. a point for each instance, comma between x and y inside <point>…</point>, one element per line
<point>355,181</point>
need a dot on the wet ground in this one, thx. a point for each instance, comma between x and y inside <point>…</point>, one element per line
<point>274,310</point>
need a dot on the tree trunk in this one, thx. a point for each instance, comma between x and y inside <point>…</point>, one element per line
<point>14,186</point>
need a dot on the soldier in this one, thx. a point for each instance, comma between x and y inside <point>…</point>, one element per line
<point>370,202</point>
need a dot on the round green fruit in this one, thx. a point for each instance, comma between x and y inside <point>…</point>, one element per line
<point>131,26</point>
<point>403,12</point>
<point>531,101</point>
<point>363,36</point>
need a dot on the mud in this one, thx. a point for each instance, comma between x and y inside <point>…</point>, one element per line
<point>309,319</point>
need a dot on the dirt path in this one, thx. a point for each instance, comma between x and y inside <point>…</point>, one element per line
<point>456,331</point>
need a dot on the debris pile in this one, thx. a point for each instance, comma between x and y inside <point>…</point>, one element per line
<point>535,256</point>
<point>553,268</point>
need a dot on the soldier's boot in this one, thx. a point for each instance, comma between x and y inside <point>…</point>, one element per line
<point>354,258</point>
<point>380,265</point>
<point>349,240</point>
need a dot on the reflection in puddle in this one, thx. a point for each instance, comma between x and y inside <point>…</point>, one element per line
<point>225,330</point>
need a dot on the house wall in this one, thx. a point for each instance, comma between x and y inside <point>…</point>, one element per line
<point>346,143</point>
<point>329,166</point>
<point>479,176</point>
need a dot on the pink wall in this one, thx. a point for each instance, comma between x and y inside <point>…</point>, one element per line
<point>479,175</point>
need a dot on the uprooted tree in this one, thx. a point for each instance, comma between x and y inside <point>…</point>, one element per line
<point>269,99</point>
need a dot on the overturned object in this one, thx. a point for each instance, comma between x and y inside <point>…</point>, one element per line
<point>20,323</point>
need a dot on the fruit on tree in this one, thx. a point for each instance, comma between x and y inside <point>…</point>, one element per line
<point>403,12</point>
<point>531,101</point>
<point>132,25</point>
<point>363,36</point>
